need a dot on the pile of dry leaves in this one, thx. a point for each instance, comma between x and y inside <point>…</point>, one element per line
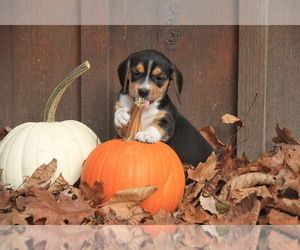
<point>232,191</point>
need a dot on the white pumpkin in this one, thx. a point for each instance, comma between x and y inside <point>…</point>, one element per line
<point>30,145</point>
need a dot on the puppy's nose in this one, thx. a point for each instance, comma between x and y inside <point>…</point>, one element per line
<point>143,92</point>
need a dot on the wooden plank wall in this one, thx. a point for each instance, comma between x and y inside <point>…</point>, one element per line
<point>269,63</point>
<point>35,58</point>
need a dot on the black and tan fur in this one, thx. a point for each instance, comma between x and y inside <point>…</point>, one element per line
<point>148,74</point>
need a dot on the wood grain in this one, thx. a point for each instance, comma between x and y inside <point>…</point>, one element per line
<point>35,58</point>
<point>95,84</point>
<point>252,78</point>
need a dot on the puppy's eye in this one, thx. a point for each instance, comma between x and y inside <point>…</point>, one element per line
<point>135,73</point>
<point>159,78</point>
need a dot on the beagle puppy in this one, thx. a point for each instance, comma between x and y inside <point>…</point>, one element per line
<point>148,74</point>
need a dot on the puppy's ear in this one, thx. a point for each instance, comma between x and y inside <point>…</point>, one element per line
<point>123,71</point>
<point>177,79</point>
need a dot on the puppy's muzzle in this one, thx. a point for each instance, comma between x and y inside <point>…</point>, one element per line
<point>143,92</point>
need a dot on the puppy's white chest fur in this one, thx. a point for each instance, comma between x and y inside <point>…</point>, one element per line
<point>149,113</point>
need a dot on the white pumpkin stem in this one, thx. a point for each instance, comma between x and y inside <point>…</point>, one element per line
<point>58,91</point>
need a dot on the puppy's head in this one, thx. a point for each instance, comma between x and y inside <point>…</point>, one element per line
<point>148,74</point>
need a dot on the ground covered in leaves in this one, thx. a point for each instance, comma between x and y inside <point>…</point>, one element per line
<point>231,191</point>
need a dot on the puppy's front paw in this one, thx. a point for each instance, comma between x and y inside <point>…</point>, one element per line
<point>122,117</point>
<point>151,135</point>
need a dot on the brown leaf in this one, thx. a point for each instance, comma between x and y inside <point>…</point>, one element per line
<point>194,215</point>
<point>13,218</point>
<point>131,197</point>
<point>209,204</point>
<point>93,195</point>
<point>227,118</point>
<point>262,191</point>
<point>162,218</point>
<point>292,153</point>
<point>195,238</point>
<point>5,201</point>
<point>278,240</point>
<point>42,174</point>
<point>245,212</point>
<point>279,218</point>
<point>59,185</point>
<point>287,205</point>
<point>275,163</point>
<point>210,135</point>
<point>284,135</point>
<point>4,132</point>
<point>65,211</point>
<point>123,207</point>
<point>204,171</point>
<point>123,215</point>
<point>245,181</point>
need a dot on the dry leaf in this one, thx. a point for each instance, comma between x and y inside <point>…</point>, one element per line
<point>245,181</point>
<point>194,215</point>
<point>210,135</point>
<point>131,197</point>
<point>292,153</point>
<point>209,204</point>
<point>123,207</point>
<point>5,199</point>
<point>279,218</point>
<point>287,205</point>
<point>93,195</point>
<point>162,218</point>
<point>278,240</point>
<point>204,171</point>
<point>13,218</point>
<point>227,118</point>
<point>245,212</point>
<point>239,194</point>
<point>4,132</point>
<point>66,211</point>
<point>42,174</point>
<point>59,185</point>
<point>285,136</point>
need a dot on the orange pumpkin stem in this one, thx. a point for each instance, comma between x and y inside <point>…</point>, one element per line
<point>135,124</point>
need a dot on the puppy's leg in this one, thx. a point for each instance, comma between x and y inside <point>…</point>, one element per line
<point>161,129</point>
<point>122,116</point>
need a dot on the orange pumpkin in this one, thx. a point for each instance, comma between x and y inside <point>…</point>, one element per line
<point>126,164</point>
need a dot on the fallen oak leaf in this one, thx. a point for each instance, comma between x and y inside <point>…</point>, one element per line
<point>13,218</point>
<point>279,218</point>
<point>239,194</point>
<point>275,163</point>
<point>42,174</point>
<point>245,181</point>
<point>246,212</point>
<point>5,199</point>
<point>4,132</point>
<point>93,195</point>
<point>285,136</point>
<point>65,211</point>
<point>228,118</point>
<point>60,184</point>
<point>123,206</point>
<point>209,204</point>
<point>292,156</point>
<point>287,205</point>
<point>131,197</point>
<point>204,171</point>
<point>281,240</point>
<point>210,135</point>
<point>195,215</point>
